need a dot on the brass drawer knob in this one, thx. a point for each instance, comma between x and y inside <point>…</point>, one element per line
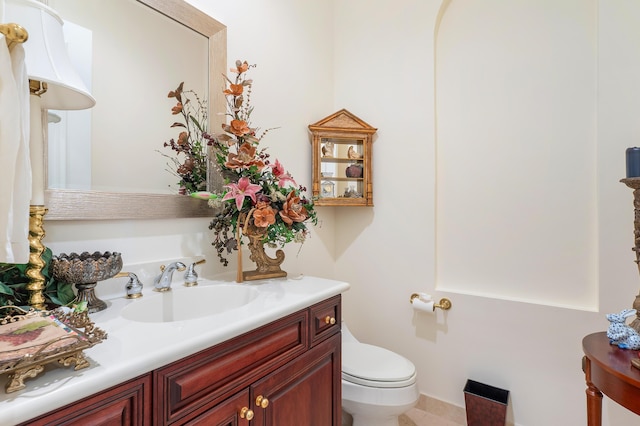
<point>245,413</point>
<point>261,401</point>
<point>330,320</point>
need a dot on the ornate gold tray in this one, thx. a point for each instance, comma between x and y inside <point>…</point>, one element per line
<point>32,339</point>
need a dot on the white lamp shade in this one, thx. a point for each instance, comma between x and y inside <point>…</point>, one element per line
<point>46,55</point>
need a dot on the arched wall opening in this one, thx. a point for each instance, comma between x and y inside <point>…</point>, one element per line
<point>516,114</point>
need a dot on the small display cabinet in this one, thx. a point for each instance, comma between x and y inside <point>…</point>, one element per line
<point>341,167</point>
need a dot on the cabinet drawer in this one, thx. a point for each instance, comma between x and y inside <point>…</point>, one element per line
<point>325,319</point>
<point>190,386</point>
<point>128,404</point>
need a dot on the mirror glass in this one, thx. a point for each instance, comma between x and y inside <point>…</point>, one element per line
<point>130,53</point>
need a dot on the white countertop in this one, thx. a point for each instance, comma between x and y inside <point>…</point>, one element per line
<point>134,348</point>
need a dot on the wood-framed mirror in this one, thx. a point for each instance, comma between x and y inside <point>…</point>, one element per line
<point>64,203</point>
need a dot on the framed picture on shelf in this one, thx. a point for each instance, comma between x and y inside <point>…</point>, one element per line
<point>328,189</point>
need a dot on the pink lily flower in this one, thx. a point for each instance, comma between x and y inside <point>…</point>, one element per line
<point>244,188</point>
<point>282,175</point>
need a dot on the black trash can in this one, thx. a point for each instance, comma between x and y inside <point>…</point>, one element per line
<point>486,405</point>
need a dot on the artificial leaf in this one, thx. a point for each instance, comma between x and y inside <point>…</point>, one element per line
<point>195,121</point>
<point>5,289</point>
<point>80,307</point>
<point>55,300</point>
<point>46,257</point>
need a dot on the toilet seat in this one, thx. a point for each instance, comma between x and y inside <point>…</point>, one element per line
<point>374,366</point>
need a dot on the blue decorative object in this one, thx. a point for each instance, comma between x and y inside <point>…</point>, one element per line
<point>633,162</point>
<point>619,333</point>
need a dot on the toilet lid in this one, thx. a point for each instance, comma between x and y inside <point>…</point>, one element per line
<point>374,366</point>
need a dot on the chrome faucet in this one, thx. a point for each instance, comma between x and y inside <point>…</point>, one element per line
<point>133,287</point>
<point>163,281</point>
<point>191,276</point>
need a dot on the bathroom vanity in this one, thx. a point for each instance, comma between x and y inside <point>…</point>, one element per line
<point>275,360</point>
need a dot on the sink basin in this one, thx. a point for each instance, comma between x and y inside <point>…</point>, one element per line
<point>182,304</point>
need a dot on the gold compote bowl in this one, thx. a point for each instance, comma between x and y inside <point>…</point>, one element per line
<point>84,271</point>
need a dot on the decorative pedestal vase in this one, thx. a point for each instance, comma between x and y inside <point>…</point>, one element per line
<point>354,171</point>
<point>634,183</point>
<point>85,270</point>
<point>266,267</point>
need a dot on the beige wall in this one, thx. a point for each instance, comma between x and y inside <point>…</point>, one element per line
<point>384,66</point>
<point>515,150</point>
<point>376,58</point>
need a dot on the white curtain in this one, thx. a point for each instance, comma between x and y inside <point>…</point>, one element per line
<point>15,168</point>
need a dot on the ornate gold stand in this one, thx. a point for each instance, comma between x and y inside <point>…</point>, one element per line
<point>36,264</point>
<point>68,352</point>
<point>634,183</point>
<point>266,267</point>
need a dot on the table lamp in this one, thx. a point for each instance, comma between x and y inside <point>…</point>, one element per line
<point>53,84</point>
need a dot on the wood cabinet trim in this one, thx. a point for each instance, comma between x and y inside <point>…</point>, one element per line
<point>129,401</point>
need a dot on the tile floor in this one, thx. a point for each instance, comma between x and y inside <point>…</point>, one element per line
<point>417,417</point>
<point>432,412</point>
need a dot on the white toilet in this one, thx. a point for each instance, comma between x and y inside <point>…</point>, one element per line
<point>377,385</point>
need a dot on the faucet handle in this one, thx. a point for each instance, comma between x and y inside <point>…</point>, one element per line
<point>191,276</point>
<point>133,288</point>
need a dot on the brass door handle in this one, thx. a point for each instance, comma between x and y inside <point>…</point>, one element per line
<point>261,401</point>
<point>330,320</point>
<point>245,413</point>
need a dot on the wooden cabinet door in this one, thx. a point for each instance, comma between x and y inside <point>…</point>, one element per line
<point>306,391</point>
<point>234,411</point>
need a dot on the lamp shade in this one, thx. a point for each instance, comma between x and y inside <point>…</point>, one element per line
<point>46,55</point>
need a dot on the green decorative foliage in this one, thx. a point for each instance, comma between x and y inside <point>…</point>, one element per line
<point>13,282</point>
